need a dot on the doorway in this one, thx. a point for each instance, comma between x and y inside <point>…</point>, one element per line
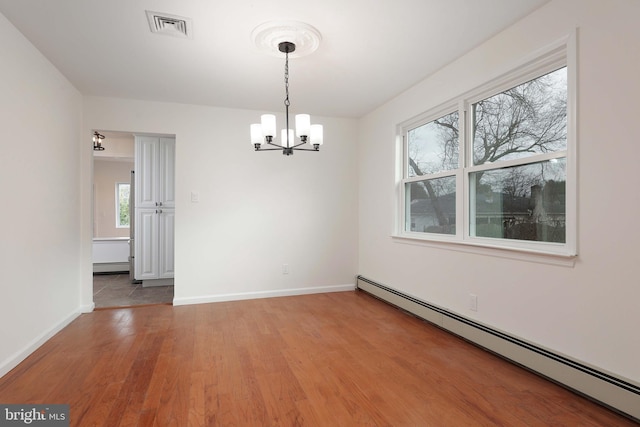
<point>114,284</point>
<point>115,289</point>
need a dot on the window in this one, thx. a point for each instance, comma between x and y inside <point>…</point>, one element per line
<point>122,204</point>
<point>495,166</point>
<point>432,163</point>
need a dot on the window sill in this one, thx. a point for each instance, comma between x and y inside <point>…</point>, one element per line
<point>520,254</point>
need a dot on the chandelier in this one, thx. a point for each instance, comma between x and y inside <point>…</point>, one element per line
<point>265,132</point>
<point>97,142</point>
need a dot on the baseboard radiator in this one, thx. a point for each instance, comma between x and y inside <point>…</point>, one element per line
<point>110,254</point>
<point>111,267</point>
<point>619,394</point>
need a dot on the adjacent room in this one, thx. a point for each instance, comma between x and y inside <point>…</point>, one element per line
<point>332,213</point>
<point>116,283</point>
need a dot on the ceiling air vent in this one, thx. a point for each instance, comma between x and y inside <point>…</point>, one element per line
<point>171,25</point>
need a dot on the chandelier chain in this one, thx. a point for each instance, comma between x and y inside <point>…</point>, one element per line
<point>286,79</point>
<point>286,99</point>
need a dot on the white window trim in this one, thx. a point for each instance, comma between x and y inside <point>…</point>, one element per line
<point>556,55</point>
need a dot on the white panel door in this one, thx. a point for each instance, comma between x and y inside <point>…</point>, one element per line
<point>147,171</point>
<point>146,244</point>
<point>167,153</point>
<point>166,225</point>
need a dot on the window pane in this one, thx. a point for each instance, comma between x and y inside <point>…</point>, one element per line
<point>528,119</point>
<point>431,206</point>
<point>433,147</point>
<point>522,202</point>
<point>123,205</point>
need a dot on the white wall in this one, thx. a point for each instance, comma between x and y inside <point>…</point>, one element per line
<point>40,116</point>
<point>107,173</point>
<point>589,311</point>
<point>257,211</point>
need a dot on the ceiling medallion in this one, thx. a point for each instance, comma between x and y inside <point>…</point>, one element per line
<point>268,36</point>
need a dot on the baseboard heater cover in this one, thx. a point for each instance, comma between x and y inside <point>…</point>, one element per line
<point>617,393</point>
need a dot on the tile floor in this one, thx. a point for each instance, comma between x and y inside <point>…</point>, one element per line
<point>116,290</point>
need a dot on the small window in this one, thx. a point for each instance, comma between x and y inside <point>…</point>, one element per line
<point>122,204</point>
<point>432,163</point>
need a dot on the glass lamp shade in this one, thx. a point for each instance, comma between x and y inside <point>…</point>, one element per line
<point>268,122</point>
<point>256,134</point>
<point>284,138</point>
<point>316,135</point>
<point>303,123</point>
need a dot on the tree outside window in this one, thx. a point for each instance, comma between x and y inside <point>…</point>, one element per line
<point>514,166</point>
<point>122,204</point>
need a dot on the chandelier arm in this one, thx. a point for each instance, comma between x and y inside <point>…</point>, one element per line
<point>305,149</point>
<point>297,145</point>
<point>270,149</point>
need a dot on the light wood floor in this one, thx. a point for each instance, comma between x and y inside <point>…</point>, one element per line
<point>340,359</point>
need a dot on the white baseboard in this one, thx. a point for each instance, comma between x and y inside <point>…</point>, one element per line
<point>13,361</point>
<point>87,308</point>
<point>263,294</point>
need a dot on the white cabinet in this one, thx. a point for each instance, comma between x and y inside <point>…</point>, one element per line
<point>166,226</point>
<point>147,263</point>
<point>154,243</point>
<point>155,172</point>
<point>155,208</point>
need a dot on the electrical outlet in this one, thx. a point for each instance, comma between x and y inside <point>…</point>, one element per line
<point>285,268</point>
<point>473,302</point>
<point>195,196</point>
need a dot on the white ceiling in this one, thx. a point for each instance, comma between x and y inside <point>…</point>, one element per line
<point>371,50</point>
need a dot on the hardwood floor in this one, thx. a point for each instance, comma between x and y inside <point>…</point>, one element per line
<point>339,359</point>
